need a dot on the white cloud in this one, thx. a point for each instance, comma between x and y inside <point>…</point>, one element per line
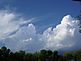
<point>65,36</point>
<point>10,22</point>
<point>17,34</point>
<point>25,39</point>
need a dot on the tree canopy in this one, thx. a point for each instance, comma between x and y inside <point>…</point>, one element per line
<point>44,55</point>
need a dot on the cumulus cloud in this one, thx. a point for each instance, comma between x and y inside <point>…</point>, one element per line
<point>65,36</point>
<point>19,34</point>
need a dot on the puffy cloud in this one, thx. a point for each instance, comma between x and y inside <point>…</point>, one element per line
<point>65,36</point>
<point>19,34</point>
<point>24,39</point>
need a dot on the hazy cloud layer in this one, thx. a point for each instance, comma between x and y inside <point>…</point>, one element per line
<point>17,34</point>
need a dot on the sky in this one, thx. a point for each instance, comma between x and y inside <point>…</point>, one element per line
<point>33,25</point>
<point>50,11</point>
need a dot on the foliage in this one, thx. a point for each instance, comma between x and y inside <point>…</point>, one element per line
<point>44,55</point>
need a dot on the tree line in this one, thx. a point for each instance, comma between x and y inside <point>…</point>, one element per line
<point>43,55</point>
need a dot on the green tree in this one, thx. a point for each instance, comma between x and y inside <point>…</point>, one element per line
<point>55,55</point>
<point>77,55</point>
<point>68,56</point>
<point>4,53</point>
<point>43,55</point>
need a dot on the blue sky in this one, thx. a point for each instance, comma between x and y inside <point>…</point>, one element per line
<point>32,25</point>
<point>47,12</point>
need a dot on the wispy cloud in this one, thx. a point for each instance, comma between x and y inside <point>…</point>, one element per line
<point>10,22</point>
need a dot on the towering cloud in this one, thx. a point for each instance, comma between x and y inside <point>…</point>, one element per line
<point>65,36</point>
<point>18,34</point>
